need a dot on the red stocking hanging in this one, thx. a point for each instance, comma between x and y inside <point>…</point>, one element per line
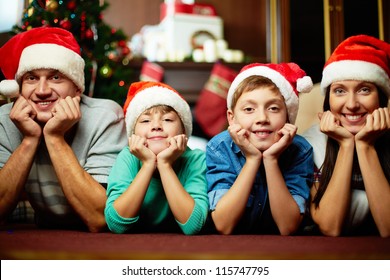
<point>210,110</point>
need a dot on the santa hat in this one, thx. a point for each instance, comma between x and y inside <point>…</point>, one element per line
<point>146,94</point>
<point>40,48</point>
<point>359,57</point>
<point>288,77</point>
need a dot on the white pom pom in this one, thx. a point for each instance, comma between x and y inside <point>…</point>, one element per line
<point>9,88</point>
<point>304,84</point>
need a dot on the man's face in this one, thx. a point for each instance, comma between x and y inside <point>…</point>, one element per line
<point>43,88</point>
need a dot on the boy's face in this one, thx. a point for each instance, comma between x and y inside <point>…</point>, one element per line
<point>158,127</point>
<point>262,112</point>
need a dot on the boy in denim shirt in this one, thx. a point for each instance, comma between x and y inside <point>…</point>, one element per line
<point>259,171</point>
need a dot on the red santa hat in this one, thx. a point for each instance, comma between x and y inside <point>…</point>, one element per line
<point>40,48</point>
<point>146,94</point>
<point>359,57</point>
<point>288,77</point>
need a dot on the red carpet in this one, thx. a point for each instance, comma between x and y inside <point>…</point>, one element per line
<point>28,242</point>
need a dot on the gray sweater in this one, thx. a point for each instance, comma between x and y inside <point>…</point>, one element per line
<point>98,138</point>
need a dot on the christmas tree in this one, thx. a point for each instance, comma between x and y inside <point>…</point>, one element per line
<point>103,48</point>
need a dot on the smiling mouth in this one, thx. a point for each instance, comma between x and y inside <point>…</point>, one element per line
<point>156,138</point>
<point>262,133</point>
<point>353,117</point>
<point>44,104</point>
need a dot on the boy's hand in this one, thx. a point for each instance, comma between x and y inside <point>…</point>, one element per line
<point>287,133</point>
<point>138,147</point>
<point>240,136</point>
<point>176,147</point>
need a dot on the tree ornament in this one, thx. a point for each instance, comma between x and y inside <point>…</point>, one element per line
<point>112,55</point>
<point>51,5</point>
<point>125,51</point>
<point>89,34</point>
<point>122,43</point>
<point>71,5</point>
<point>105,71</point>
<point>66,24</point>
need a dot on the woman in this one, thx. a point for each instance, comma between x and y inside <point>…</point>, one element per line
<point>352,195</point>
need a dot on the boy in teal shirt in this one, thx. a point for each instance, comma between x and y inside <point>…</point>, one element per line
<point>158,183</point>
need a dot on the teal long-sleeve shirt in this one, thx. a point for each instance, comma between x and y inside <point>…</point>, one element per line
<point>155,214</point>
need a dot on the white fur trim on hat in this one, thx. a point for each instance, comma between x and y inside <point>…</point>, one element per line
<point>355,70</point>
<point>148,98</point>
<point>290,98</point>
<point>52,56</point>
<point>9,88</point>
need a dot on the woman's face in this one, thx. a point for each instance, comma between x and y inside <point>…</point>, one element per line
<point>350,101</point>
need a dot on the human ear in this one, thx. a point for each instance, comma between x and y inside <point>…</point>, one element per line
<point>230,116</point>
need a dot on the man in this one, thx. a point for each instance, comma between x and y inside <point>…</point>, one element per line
<point>56,144</point>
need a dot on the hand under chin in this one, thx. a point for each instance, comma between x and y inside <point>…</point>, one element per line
<point>43,117</point>
<point>158,146</point>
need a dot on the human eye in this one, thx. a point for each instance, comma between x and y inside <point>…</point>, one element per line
<point>29,77</point>
<point>143,119</point>
<point>169,117</point>
<point>338,91</point>
<point>274,108</point>
<point>248,109</point>
<point>56,77</point>
<point>364,90</point>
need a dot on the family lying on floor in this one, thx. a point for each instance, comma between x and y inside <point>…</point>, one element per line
<point>88,163</point>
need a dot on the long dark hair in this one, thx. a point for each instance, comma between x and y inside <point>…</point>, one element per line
<point>332,149</point>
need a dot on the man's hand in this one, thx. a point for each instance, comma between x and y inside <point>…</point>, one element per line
<point>23,116</point>
<point>65,115</point>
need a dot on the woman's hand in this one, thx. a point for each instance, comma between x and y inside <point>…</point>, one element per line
<point>330,125</point>
<point>377,123</point>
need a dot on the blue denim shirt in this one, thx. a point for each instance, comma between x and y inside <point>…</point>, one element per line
<point>225,161</point>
